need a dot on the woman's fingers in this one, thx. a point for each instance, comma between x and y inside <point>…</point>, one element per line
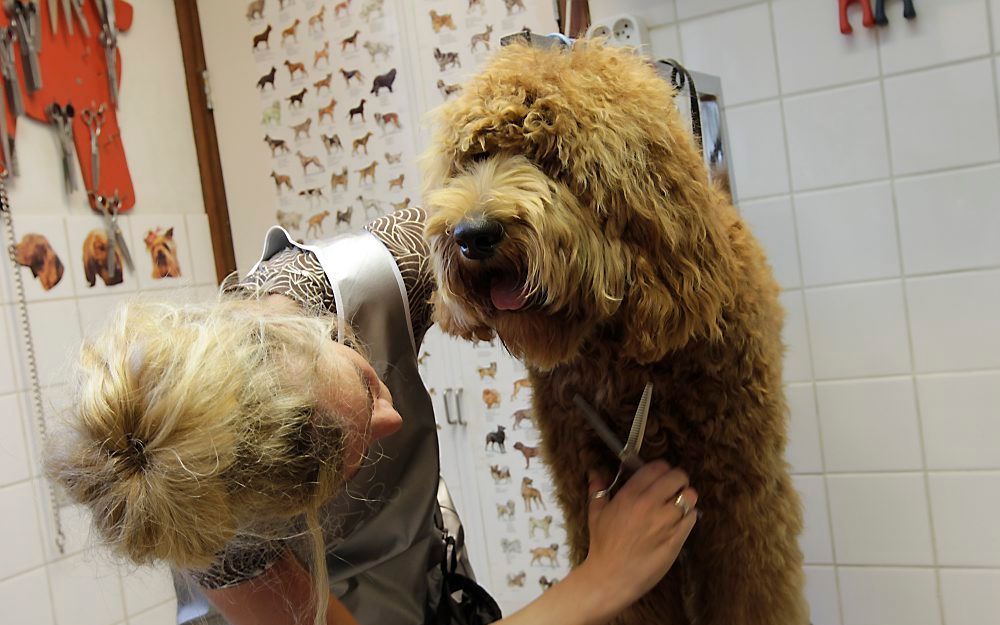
<point>597,493</point>
<point>645,477</point>
<point>680,532</point>
<point>669,486</point>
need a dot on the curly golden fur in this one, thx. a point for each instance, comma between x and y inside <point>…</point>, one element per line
<point>631,267</point>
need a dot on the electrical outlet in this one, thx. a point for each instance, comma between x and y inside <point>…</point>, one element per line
<point>621,30</point>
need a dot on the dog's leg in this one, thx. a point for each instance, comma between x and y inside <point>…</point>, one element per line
<point>744,562</point>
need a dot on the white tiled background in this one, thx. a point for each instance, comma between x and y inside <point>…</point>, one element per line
<point>85,586</point>
<point>869,167</point>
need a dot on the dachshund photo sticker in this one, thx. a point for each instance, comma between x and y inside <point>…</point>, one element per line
<point>43,256</point>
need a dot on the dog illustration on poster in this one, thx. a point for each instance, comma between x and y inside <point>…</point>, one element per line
<point>324,83</point>
<point>499,474</point>
<point>384,81</point>
<point>542,524</point>
<point>339,180</point>
<point>377,48</point>
<point>439,21</point>
<point>289,220</point>
<point>495,440</point>
<point>528,452</point>
<point>482,38</point>
<point>550,553</point>
<point>385,120</point>
<point>315,227</point>
<point>331,142</point>
<point>530,494</point>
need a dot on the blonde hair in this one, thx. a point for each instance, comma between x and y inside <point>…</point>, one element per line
<point>198,423</point>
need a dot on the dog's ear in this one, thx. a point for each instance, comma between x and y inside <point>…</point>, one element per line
<point>90,269</point>
<point>683,271</point>
<point>169,234</point>
<point>52,269</point>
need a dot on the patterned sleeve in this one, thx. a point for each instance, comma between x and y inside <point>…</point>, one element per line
<point>402,232</point>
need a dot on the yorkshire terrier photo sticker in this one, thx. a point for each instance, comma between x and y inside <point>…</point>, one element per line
<point>163,253</point>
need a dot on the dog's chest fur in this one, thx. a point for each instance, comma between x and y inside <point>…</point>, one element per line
<point>712,404</point>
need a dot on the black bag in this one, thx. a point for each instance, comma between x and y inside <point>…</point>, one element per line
<point>463,601</point>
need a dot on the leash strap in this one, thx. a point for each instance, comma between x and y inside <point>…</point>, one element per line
<point>679,77</point>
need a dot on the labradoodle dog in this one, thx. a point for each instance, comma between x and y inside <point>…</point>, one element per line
<point>570,213</point>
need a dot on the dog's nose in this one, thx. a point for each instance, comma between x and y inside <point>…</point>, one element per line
<point>478,238</point>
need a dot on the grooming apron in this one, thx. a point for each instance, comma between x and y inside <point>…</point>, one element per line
<point>383,528</point>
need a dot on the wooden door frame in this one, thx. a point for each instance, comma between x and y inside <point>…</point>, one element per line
<point>578,18</point>
<point>213,188</point>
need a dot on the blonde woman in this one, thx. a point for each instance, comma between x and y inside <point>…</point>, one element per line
<point>237,443</point>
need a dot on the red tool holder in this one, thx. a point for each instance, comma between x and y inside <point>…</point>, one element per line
<point>74,70</point>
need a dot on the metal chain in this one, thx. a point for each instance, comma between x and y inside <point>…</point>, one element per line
<point>29,353</point>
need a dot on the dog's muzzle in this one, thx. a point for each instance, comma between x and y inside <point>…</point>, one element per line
<point>478,237</point>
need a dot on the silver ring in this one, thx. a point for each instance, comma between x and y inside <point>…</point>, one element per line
<point>682,503</point>
<point>601,494</point>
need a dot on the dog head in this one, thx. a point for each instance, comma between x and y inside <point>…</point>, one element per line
<point>163,251</point>
<point>35,253</point>
<point>570,200</point>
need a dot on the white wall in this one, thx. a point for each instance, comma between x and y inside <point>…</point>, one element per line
<point>39,586</point>
<point>869,166</point>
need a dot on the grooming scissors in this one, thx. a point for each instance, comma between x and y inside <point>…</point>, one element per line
<point>110,207</point>
<point>94,118</point>
<point>628,454</point>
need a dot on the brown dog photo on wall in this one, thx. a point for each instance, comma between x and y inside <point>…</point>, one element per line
<point>36,253</point>
<point>95,260</point>
<point>163,251</point>
<point>667,286</point>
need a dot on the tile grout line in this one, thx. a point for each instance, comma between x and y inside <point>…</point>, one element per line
<point>812,366</point>
<point>909,332</point>
<point>858,82</point>
<point>993,63</point>
<point>940,171</point>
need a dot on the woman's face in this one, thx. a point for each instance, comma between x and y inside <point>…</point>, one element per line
<point>358,396</point>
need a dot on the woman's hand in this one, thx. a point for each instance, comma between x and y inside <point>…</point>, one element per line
<point>636,537</point>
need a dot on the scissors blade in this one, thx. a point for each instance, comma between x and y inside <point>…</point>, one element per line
<point>123,248</point>
<point>638,431</point>
<point>109,227</point>
<point>78,10</point>
<point>596,422</point>
<point>54,16</point>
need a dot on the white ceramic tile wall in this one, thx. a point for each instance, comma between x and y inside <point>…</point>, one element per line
<point>871,596</point>
<point>969,594</point>
<point>83,585</point>
<point>869,167</point>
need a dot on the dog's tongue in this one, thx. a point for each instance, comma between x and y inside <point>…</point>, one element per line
<point>508,294</point>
